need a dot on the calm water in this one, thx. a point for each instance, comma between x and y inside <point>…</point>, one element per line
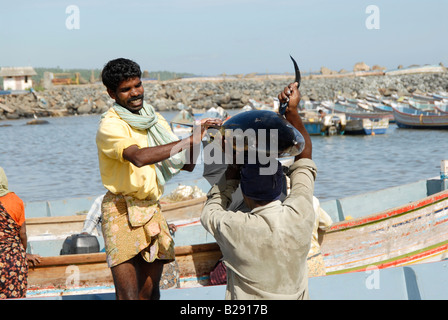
<point>59,160</point>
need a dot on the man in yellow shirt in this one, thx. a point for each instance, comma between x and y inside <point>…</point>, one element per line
<point>138,154</point>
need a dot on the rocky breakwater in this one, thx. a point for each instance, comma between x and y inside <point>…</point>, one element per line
<point>321,88</point>
<point>204,93</point>
<point>56,102</point>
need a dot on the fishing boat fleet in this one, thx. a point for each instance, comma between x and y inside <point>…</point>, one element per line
<point>373,114</point>
<point>347,116</point>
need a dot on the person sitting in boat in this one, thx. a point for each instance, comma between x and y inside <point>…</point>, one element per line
<point>14,260</point>
<point>322,114</point>
<point>265,250</point>
<point>138,153</point>
<point>92,222</point>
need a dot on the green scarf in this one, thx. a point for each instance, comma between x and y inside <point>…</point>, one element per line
<point>3,183</point>
<point>157,135</point>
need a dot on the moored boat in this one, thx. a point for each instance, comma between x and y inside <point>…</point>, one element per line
<point>353,112</point>
<point>325,124</point>
<point>416,232</point>
<point>78,273</point>
<point>442,108</point>
<point>416,119</point>
<point>366,126</point>
<point>425,281</point>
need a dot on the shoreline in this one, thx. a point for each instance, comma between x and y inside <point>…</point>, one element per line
<point>228,92</point>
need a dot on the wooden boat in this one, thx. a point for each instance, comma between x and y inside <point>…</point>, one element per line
<point>399,226</point>
<point>425,281</point>
<point>398,275</point>
<point>415,119</point>
<point>330,124</point>
<point>421,105</point>
<point>182,123</point>
<point>378,104</point>
<point>441,108</point>
<point>77,273</point>
<point>50,223</point>
<point>81,205</point>
<point>412,233</point>
<point>360,120</point>
<point>381,107</point>
<point>367,126</point>
<point>353,112</point>
<point>417,70</point>
<point>71,224</point>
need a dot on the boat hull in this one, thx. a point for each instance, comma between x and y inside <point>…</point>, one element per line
<point>416,282</point>
<point>394,227</point>
<point>409,234</point>
<point>406,118</point>
<point>367,126</point>
<point>330,124</point>
<point>314,128</point>
<point>75,273</point>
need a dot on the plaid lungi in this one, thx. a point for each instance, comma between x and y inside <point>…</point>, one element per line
<point>132,226</point>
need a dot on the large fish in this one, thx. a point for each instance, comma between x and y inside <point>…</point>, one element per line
<point>261,132</point>
<point>275,136</point>
<point>298,78</point>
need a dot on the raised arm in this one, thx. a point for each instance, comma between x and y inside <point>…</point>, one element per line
<point>292,93</point>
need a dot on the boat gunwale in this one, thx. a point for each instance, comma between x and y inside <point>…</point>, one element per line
<point>398,260</point>
<point>389,213</point>
<point>100,257</point>
<point>410,116</point>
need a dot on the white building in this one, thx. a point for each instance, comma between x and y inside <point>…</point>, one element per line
<point>17,78</point>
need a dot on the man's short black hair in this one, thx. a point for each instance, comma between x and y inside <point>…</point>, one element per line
<point>118,70</point>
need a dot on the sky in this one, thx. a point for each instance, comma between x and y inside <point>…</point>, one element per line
<point>212,37</point>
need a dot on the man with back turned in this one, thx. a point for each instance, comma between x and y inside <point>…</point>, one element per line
<point>138,154</point>
<point>265,250</point>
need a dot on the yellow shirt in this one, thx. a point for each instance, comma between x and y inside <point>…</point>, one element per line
<point>118,175</point>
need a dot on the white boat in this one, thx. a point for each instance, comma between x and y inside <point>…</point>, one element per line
<point>366,126</point>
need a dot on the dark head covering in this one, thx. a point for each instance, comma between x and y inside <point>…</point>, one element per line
<point>260,182</point>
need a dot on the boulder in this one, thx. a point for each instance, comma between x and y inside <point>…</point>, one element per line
<point>361,66</point>
<point>378,68</point>
<point>386,92</point>
<point>235,95</point>
<point>101,106</point>
<point>326,71</point>
<point>222,99</point>
<point>84,108</point>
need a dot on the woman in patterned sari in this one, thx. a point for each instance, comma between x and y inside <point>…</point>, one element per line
<point>13,265</point>
<point>13,240</point>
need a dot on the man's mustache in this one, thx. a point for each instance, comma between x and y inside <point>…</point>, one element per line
<point>136,98</point>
